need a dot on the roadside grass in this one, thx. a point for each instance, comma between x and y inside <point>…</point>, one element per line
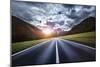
<point>19,46</point>
<point>87,38</point>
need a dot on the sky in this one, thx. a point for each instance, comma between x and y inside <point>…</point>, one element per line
<point>52,15</point>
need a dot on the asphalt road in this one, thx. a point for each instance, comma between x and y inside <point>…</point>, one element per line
<point>54,51</point>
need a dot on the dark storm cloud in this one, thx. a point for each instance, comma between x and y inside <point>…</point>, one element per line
<point>63,16</point>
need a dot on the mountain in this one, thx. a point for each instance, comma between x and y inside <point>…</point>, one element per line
<point>22,31</point>
<point>87,25</point>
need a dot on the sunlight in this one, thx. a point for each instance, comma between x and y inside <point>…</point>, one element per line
<point>47,32</point>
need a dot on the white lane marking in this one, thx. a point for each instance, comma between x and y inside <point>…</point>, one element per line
<point>79,44</point>
<point>30,48</point>
<point>57,54</point>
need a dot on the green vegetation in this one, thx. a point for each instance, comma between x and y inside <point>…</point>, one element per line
<point>19,46</point>
<point>87,38</point>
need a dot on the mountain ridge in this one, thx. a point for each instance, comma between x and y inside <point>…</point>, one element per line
<point>22,30</point>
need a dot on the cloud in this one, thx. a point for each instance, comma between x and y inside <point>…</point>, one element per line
<point>63,16</point>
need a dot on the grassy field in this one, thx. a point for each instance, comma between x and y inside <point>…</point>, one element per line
<point>19,46</point>
<point>87,38</point>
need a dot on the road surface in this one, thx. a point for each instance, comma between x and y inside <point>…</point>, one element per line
<point>54,51</point>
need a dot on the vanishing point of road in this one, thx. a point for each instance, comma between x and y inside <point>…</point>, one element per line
<point>54,51</point>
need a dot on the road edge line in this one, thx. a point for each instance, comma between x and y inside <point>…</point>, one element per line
<point>27,49</point>
<point>80,44</point>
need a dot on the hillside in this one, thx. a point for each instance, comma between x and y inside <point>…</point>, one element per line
<point>87,25</point>
<point>22,31</point>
